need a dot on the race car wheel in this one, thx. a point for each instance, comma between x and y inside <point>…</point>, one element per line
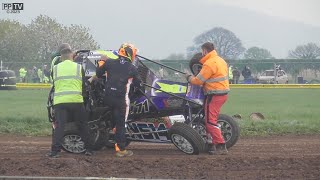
<point>229,128</point>
<point>194,64</point>
<point>186,139</point>
<point>72,141</point>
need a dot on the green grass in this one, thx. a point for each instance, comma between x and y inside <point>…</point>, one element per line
<point>24,112</point>
<point>287,111</point>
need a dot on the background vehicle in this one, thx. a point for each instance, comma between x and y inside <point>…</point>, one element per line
<point>276,76</point>
<point>150,107</point>
<point>7,80</point>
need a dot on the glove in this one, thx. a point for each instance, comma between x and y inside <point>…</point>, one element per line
<point>101,63</point>
<point>188,77</point>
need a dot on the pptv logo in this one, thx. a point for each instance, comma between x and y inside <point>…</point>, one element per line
<point>12,7</point>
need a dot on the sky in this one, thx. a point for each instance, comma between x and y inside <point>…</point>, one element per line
<point>159,28</point>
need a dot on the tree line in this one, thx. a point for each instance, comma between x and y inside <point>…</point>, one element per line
<point>230,47</point>
<point>37,41</point>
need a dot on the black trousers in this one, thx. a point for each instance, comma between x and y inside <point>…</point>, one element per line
<point>120,111</point>
<point>63,112</point>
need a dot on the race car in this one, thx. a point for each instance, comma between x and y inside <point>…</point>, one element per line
<point>150,111</point>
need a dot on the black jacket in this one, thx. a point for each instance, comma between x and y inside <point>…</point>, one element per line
<point>120,75</point>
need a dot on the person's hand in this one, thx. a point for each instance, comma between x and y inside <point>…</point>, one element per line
<point>188,76</point>
<point>92,78</point>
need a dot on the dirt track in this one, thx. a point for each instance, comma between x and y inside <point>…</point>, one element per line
<point>284,157</point>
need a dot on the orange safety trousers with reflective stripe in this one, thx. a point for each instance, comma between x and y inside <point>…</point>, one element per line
<point>212,108</point>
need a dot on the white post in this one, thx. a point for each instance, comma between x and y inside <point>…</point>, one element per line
<point>1,65</point>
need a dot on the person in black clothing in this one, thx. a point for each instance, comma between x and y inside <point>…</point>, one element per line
<point>246,72</point>
<point>120,74</point>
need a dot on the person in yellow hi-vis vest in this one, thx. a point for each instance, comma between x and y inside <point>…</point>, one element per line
<point>68,82</point>
<point>230,75</point>
<point>40,75</point>
<point>22,73</point>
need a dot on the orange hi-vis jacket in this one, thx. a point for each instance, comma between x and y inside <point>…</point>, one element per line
<point>213,75</point>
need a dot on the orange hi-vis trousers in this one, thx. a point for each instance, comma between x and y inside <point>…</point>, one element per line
<point>212,107</point>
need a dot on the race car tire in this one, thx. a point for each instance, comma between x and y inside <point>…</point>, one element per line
<point>229,127</point>
<point>186,139</point>
<point>194,65</point>
<point>73,143</point>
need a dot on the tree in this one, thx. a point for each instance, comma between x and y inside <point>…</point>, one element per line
<point>47,34</point>
<point>257,53</point>
<point>226,43</point>
<point>308,51</point>
<point>12,35</point>
<point>37,41</point>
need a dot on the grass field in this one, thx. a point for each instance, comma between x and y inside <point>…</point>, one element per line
<point>286,111</point>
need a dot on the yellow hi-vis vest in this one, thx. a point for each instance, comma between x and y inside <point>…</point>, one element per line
<point>230,73</point>
<point>67,80</point>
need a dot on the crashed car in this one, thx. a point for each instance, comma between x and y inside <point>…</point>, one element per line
<point>149,111</point>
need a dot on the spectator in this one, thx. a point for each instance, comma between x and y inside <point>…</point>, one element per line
<point>40,75</point>
<point>230,74</point>
<point>46,74</point>
<point>22,74</point>
<point>34,75</point>
<point>246,73</point>
<point>236,75</point>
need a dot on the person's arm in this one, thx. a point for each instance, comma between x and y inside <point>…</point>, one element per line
<point>101,70</point>
<point>136,77</point>
<point>202,77</point>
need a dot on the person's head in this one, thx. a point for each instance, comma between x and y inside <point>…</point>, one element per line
<point>63,46</point>
<point>66,53</point>
<point>207,48</point>
<point>128,51</point>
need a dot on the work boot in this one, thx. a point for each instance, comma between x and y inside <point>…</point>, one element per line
<point>221,149</point>
<point>52,154</point>
<point>211,149</point>
<point>124,153</point>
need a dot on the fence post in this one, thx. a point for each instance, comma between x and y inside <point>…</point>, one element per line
<point>1,65</point>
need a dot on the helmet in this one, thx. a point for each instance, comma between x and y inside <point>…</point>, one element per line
<point>128,51</point>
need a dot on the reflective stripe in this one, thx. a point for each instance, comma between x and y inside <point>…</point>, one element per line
<point>67,77</point>
<point>217,91</point>
<point>55,71</point>
<point>67,93</point>
<point>199,76</point>
<point>78,70</point>
<point>217,79</point>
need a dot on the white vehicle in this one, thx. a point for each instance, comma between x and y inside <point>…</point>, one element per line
<point>269,77</point>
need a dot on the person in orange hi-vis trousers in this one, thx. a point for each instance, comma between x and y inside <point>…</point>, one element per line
<point>214,79</point>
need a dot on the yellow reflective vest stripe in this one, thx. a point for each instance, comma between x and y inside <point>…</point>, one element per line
<point>108,54</point>
<point>67,80</point>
